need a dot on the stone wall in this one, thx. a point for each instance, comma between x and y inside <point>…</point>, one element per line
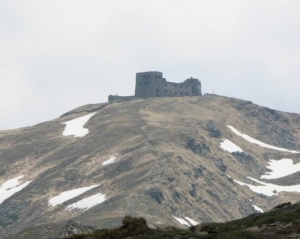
<point>152,84</point>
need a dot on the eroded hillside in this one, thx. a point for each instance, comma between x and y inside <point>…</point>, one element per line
<point>174,161</point>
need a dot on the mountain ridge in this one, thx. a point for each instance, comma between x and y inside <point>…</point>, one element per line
<point>169,162</point>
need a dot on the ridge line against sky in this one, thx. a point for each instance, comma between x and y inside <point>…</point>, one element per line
<point>58,55</point>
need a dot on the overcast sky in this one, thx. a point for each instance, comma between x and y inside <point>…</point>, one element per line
<point>56,55</point>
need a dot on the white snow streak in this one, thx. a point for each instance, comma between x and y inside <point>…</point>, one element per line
<point>109,161</point>
<point>254,141</point>
<point>10,187</point>
<point>258,209</point>
<point>65,196</point>
<point>269,189</point>
<point>88,202</point>
<point>182,221</point>
<point>229,146</point>
<point>191,221</point>
<point>281,168</point>
<point>75,126</point>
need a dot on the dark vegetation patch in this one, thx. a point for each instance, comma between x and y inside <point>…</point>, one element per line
<point>71,174</point>
<point>177,197</point>
<point>241,156</point>
<point>214,195</point>
<point>193,191</point>
<point>213,131</point>
<point>200,148</point>
<point>180,160</point>
<point>157,195</point>
<point>220,164</point>
<point>188,173</point>
<point>199,171</point>
<point>170,179</point>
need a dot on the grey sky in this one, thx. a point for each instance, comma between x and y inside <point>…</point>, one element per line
<point>56,55</point>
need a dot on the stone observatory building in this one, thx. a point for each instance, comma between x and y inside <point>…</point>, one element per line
<point>152,84</point>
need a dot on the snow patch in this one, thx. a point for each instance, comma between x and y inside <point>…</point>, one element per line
<point>269,189</point>
<point>65,196</point>
<point>182,221</point>
<point>281,168</point>
<point>88,202</point>
<point>255,141</point>
<point>109,161</point>
<point>10,187</point>
<point>75,126</point>
<point>258,209</point>
<point>191,221</point>
<point>229,146</point>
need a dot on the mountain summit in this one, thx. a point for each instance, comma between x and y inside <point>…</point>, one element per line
<point>174,161</point>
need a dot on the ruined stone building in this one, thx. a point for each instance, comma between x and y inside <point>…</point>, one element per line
<point>152,84</point>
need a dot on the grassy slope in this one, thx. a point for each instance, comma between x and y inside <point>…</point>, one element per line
<point>151,140</point>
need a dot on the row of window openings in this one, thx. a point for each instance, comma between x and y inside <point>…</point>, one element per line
<point>175,92</point>
<point>148,76</point>
<point>147,83</point>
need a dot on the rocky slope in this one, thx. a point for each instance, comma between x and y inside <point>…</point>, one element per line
<point>173,161</point>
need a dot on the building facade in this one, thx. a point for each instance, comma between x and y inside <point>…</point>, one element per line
<point>152,84</point>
